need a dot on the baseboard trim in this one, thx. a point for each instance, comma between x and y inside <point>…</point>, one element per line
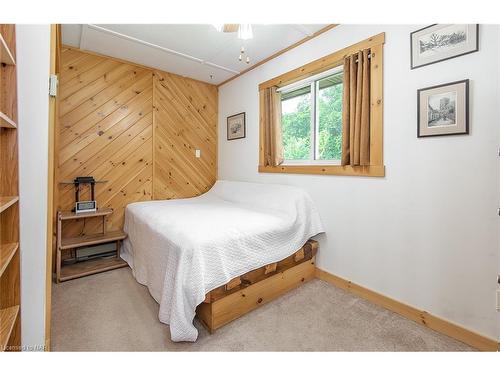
<point>424,318</point>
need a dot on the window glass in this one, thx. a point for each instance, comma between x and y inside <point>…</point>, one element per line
<point>296,123</point>
<point>312,119</point>
<point>329,118</point>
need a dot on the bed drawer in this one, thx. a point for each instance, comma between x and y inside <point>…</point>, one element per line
<point>218,313</point>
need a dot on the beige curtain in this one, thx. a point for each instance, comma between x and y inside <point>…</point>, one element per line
<point>356,110</point>
<point>273,144</point>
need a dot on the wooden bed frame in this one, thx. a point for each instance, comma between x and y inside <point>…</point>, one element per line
<point>255,288</point>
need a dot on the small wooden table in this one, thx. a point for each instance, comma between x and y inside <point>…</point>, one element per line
<point>89,267</point>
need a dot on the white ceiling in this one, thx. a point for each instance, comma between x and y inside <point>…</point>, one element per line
<point>195,51</point>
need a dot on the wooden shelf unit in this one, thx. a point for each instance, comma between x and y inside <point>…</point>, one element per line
<point>70,215</point>
<point>7,122</point>
<point>91,239</point>
<point>6,56</point>
<point>10,271</point>
<point>91,266</point>
<point>7,252</point>
<point>8,318</point>
<point>6,202</point>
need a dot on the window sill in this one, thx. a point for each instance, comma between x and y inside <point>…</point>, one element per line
<point>338,170</point>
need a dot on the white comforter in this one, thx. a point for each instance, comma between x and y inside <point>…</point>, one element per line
<point>183,248</point>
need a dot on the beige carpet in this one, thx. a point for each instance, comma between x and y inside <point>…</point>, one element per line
<point>112,312</point>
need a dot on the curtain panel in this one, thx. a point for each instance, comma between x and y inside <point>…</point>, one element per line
<point>273,144</point>
<point>356,110</point>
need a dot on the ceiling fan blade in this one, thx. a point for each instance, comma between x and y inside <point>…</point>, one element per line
<point>230,27</point>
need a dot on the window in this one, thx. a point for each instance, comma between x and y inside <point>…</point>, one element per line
<point>312,119</point>
<point>300,115</point>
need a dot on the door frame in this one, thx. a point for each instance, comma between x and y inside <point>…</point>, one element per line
<point>55,53</point>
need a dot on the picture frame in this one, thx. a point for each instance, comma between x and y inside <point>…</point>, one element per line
<point>443,109</point>
<point>236,126</point>
<point>439,42</point>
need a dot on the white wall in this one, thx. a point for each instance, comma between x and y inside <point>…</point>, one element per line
<point>427,233</point>
<point>33,53</point>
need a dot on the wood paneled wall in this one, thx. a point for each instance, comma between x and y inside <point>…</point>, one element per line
<point>115,118</point>
<point>185,119</point>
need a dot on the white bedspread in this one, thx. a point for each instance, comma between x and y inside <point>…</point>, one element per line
<point>183,248</point>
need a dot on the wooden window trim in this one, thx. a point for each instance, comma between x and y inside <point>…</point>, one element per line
<point>376,167</point>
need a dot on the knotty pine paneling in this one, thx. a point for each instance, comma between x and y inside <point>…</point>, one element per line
<point>105,131</point>
<point>115,119</point>
<point>185,119</point>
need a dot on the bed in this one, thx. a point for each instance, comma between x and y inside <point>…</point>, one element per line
<point>183,249</point>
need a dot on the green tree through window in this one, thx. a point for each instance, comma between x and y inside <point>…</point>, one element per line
<point>296,127</point>
<point>330,123</point>
<point>297,123</point>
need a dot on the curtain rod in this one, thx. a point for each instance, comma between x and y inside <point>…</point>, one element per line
<point>318,76</point>
<point>369,55</point>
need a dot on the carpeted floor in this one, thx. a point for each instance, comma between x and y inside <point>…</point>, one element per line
<point>112,312</point>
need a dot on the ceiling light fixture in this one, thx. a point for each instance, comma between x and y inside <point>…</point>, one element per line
<point>244,33</point>
<point>240,57</point>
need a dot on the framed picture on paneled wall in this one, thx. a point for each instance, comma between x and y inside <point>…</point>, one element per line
<point>236,126</point>
<point>442,42</point>
<point>443,109</point>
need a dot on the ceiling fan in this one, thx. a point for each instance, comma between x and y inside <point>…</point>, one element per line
<point>244,30</point>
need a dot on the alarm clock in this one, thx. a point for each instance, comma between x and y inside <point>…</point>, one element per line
<point>85,206</point>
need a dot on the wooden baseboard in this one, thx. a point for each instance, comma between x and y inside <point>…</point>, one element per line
<point>422,317</point>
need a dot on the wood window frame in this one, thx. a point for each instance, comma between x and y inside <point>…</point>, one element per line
<point>376,167</point>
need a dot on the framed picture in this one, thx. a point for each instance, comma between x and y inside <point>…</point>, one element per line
<point>442,42</point>
<point>443,109</point>
<point>236,126</point>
